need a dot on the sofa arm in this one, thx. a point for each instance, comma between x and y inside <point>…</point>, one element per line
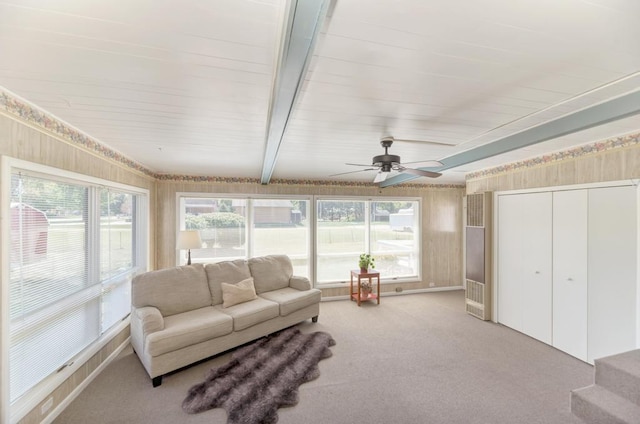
<point>300,283</point>
<point>148,319</point>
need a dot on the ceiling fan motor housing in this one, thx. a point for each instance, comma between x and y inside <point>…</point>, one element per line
<point>386,162</point>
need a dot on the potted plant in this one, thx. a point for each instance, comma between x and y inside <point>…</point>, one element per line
<point>365,262</point>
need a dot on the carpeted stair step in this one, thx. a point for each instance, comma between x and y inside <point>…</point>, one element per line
<point>597,405</point>
<point>620,374</point>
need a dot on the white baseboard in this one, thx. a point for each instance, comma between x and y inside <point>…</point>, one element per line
<point>74,394</point>
<point>393,293</point>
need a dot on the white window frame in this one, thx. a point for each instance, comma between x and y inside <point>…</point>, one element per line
<point>13,412</point>
<point>368,200</point>
<point>311,217</point>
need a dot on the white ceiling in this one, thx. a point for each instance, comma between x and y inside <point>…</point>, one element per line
<point>184,87</point>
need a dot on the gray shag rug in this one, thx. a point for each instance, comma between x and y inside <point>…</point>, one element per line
<point>261,377</point>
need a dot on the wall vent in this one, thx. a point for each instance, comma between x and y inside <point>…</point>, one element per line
<point>475,300</point>
<point>475,210</point>
<point>478,255</point>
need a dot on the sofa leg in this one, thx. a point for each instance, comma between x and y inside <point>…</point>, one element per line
<point>156,381</point>
<point>314,319</point>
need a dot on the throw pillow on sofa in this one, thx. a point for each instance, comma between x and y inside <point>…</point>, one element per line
<point>233,294</point>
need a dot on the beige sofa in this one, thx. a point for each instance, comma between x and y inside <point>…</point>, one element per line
<point>182,315</point>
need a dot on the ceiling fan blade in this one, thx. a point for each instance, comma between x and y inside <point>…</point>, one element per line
<point>418,172</point>
<point>427,163</point>
<point>357,164</point>
<point>380,176</point>
<point>436,143</point>
<point>353,172</point>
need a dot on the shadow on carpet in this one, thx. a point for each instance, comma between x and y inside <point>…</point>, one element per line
<point>261,377</point>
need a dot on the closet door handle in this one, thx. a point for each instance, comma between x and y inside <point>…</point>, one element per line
<point>569,279</point>
<point>537,272</point>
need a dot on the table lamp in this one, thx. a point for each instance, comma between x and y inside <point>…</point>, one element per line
<point>188,240</point>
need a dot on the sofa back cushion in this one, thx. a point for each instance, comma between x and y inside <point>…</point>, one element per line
<point>271,272</point>
<point>172,290</point>
<point>230,272</point>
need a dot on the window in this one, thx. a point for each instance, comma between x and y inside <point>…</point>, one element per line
<point>233,228</point>
<point>74,248</point>
<point>388,229</point>
<point>341,236</point>
<point>117,253</point>
<point>245,227</point>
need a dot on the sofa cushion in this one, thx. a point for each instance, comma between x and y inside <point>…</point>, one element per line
<point>188,328</point>
<point>251,313</point>
<point>291,300</point>
<point>229,272</point>
<point>234,294</point>
<point>271,272</point>
<point>172,290</point>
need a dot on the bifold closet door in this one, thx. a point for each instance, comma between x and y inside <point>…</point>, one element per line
<point>612,270</point>
<point>510,258</point>
<point>524,263</point>
<point>570,272</point>
<point>537,266</point>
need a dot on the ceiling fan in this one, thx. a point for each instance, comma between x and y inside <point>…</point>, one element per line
<point>386,163</point>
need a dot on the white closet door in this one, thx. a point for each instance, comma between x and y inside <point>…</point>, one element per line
<point>509,251</point>
<point>570,272</point>
<point>524,263</point>
<point>536,265</point>
<point>613,261</point>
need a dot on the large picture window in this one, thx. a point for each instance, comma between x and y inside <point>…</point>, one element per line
<point>245,227</point>
<point>74,248</point>
<point>234,228</point>
<point>387,229</point>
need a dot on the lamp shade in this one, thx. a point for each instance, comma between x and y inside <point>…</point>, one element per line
<point>189,239</point>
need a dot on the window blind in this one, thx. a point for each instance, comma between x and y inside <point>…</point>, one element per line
<point>72,258</point>
<point>117,253</point>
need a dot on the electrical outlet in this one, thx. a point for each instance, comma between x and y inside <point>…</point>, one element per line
<point>398,289</point>
<point>46,406</point>
<point>432,284</point>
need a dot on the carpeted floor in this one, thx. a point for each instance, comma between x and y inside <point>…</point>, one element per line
<point>412,359</point>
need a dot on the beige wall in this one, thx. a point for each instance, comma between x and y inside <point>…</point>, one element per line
<point>24,141</point>
<point>21,141</point>
<point>441,222</point>
<point>611,165</point>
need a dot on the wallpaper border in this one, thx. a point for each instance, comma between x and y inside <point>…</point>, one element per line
<point>45,121</point>
<point>37,117</point>
<point>559,156</point>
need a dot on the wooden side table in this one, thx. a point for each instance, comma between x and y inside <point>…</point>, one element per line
<point>358,276</point>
